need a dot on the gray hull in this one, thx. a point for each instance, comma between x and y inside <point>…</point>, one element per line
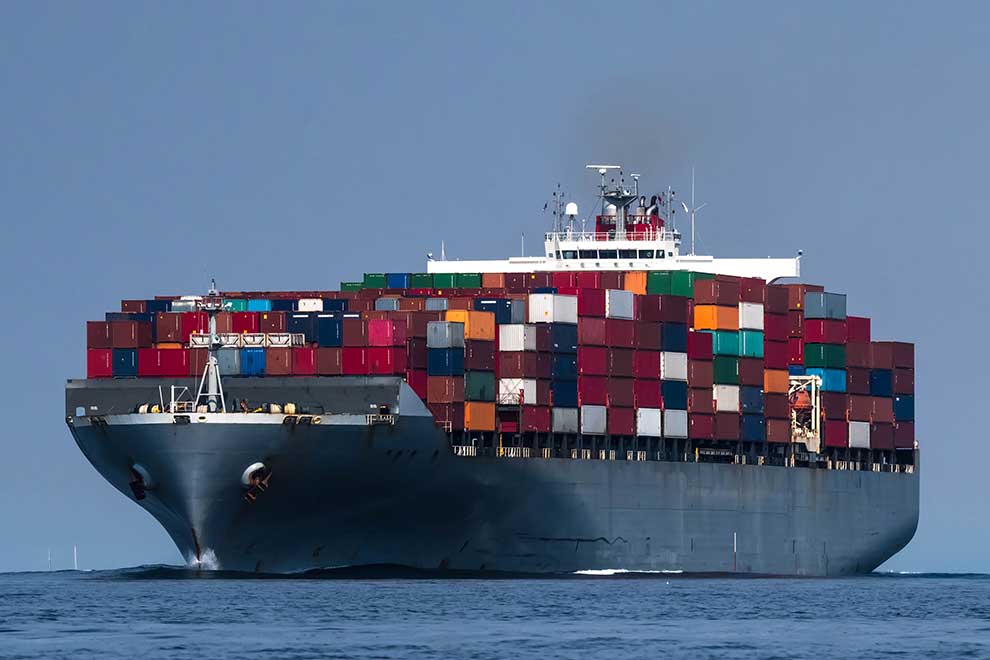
<point>343,493</point>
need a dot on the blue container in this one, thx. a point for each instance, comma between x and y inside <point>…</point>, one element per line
<point>881,382</point>
<point>259,305</point>
<point>329,330</point>
<point>396,280</point>
<point>904,408</point>
<point>795,370</point>
<point>564,338</point>
<point>229,361</point>
<point>544,289</point>
<point>335,304</point>
<point>753,428</point>
<point>819,305</point>
<point>673,337</point>
<point>302,323</point>
<point>564,367</point>
<point>155,306</point>
<point>252,362</point>
<point>833,380</point>
<point>751,399</point>
<point>143,317</point>
<point>564,393</point>
<point>445,361</point>
<point>500,307</point>
<point>284,305</point>
<point>125,363</point>
<point>674,394</point>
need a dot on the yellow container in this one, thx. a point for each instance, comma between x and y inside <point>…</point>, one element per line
<point>477,325</point>
<point>775,381</point>
<point>479,416</point>
<point>635,281</point>
<point>716,317</point>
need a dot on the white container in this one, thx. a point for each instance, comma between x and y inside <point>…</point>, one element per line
<point>310,305</point>
<point>675,424</point>
<point>673,366</point>
<point>185,304</point>
<point>565,420</point>
<point>386,304</point>
<point>750,316</point>
<point>512,338</point>
<point>510,390</point>
<point>649,421</point>
<point>436,304</point>
<point>619,304</point>
<point>726,398</point>
<point>444,334</point>
<point>552,308</point>
<point>859,435</point>
<point>593,420</point>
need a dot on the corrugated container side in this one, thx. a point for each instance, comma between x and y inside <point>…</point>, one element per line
<point>649,422</point>
<point>621,421</point>
<point>675,423</point>
<point>98,334</point>
<point>591,331</point>
<point>673,366</point>
<point>674,394</point>
<point>444,334</point>
<point>621,393</point>
<point>619,304</point>
<point>904,435</point>
<point>99,363</point>
<point>778,430</point>
<point>726,398</point>
<point>727,426</point>
<point>882,435</point>
<point>753,428</point>
<point>750,316</point>
<point>647,393</point>
<point>328,361</point>
<point>564,420</point>
<point>701,401</point>
<point>776,299</point>
<point>701,426</point>
<point>593,420</point>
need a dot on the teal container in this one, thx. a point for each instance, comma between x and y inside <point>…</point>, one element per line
<point>724,342</point>
<point>751,343</point>
<point>467,280</point>
<point>479,386</point>
<point>259,305</point>
<point>351,286</point>
<point>374,281</point>
<point>421,281</point>
<point>235,305</point>
<point>443,280</point>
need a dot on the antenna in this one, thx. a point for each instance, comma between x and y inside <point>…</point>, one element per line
<point>443,251</point>
<point>693,210</point>
<point>602,171</point>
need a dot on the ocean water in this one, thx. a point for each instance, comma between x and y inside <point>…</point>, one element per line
<point>170,613</point>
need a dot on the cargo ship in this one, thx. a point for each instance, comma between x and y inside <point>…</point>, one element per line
<point>608,404</point>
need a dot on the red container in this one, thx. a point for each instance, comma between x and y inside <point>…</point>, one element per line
<point>824,331</point>
<point>328,361</point>
<point>775,355</point>
<point>591,302</point>
<point>244,323</point>
<point>701,401</point>
<point>197,361</point>
<point>647,335</point>
<point>416,353</point>
<point>304,361</point>
<point>536,419</point>
<point>858,329</point>
<point>129,334</point>
<point>778,430</point>
<point>544,337</point>
<point>860,408</point>
<point>171,362</point>
<point>524,365</point>
<point>903,381</point>
<point>858,355</point>
<point>354,332</point>
<point>479,355</point>
<point>416,323</point>
<point>133,306</point>
<point>836,433</point>
<point>903,354</point>
<point>834,405</point>
<point>700,374</point>
<point>592,390</point>
<point>675,309</point>
<point>193,322</point>
<point>621,362</point>
<point>591,331</point>
<point>168,326</point>
<point>620,333</point>
<point>646,365</point>
<point>354,361</point>
<point>751,372</point>
<point>726,426</point>
<point>647,393</point>
<point>387,360</point>
<point>857,381</point>
<point>776,406</point>
<point>224,324</point>
<point>563,279</point>
<point>612,279</point>
<point>98,334</point>
<point>699,346</point>
<point>621,421</point>
<point>883,410</point>
<point>776,300</point>
<point>795,324</point>
<point>795,351</point>
<point>904,435</point>
<point>795,294</point>
<point>445,389</point>
<point>588,280</point>
<point>592,360</point>
<point>701,426</point>
<point>716,292</point>
<point>621,392</point>
<point>278,361</point>
<point>99,363</point>
<point>386,333</point>
<point>360,305</point>
<point>648,308</point>
<point>882,436</point>
<point>753,290</point>
<point>417,379</point>
<point>451,414</point>
<point>881,355</point>
<point>775,327</point>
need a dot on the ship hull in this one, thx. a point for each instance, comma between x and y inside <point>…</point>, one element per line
<point>346,493</point>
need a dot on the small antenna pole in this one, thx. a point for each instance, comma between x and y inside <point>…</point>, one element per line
<point>522,245</point>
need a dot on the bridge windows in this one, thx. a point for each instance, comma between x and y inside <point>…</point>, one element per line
<point>648,254</point>
<point>629,254</point>
<point>588,254</point>
<point>570,254</point>
<point>608,254</point>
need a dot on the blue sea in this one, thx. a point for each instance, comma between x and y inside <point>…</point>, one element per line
<point>169,613</point>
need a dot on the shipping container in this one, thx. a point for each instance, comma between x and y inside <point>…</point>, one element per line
<point>448,415</point>
<point>775,355</point>
<point>701,401</point>
<point>904,435</point>
<point>713,317</point>
<point>883,410</point>
<point>564,420</point>
<point>591,332</point>
<point>551,308</point>
<point>701,426</point>
<point>700,374</point>
<point>99,363</point>
<point>775,327</point>
<point>328,361</point>
<point>833,380</point>
<point>727,426</point>
<point>619,333</point>
<point>477,325</point>
<point>673,366</point>
<point>674,394</point>
<point>649,422</point>
<point>593,390</point>
<point>751,344</point>
<point>621,392</point>
<point>726,398</point>
<point>252,361</point>
<point>444,334</point>
<point>564,367</point>
<point>795,351</point>
<point>386,360</point>
<point>778,430</point>
<point>563,337</point>
<point>621,421</point>
<point>635,282</point>
<point>479,416</point>
<point>647,393</point>
<point>674,337</point>
<point>751,371</point>
<point>98,334</point>
<point>445,361</point>
<point>354,361</point>
<point>752,428</point>
<point>479,386</point>
<point>825,331</point>
<point>228,361</point>
<point>824,356</point>
<point>646,364</point>
<point>591,302</point>
<point>387,304</point>
<point>903,381</point>
<point>328,330</point>
<point>724,342</point>
<point>700,346</point>
<point>797,292</point>
<point>776,381</point>
<point>881,382</point>
<point>675,423</point>
<point>821,305</point>
<point>859,435</point>
<point>479,355</point>
<point>835,433</point>
<point>881,436</point>
<point>726,370</point>
<point>621,362</point>
<point>776,406</point>
<point>718,291</point>
<point>776,300</point>
<point>858,355</point>
<point>619,304</point>
<point>750,316</point>
<point>382,332</point>
<point>593,420</point>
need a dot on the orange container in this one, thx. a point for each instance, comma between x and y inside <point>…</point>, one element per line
<point>479,416</point>
<point>477,325</point>
<point>775,381</point>
<point>635,281</point>
<point>492,281</point>
<point>169,345</point>
<point>716,317</point>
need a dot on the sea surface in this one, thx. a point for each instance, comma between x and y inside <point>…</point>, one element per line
<point>169,613</point>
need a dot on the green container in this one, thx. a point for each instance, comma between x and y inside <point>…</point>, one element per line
<point>682,282</point>
<point>479,386</point>
<point>350,286</point>
<point>724,342</point>
<point>467,280</point>
<point>726,370</point>
<point>421,281</point>
<point>751,343</point>
<point>825,356</point>
<point>658,282</point>
<point>444,280</point>
<point>234,305</point>
<point>374,281</point>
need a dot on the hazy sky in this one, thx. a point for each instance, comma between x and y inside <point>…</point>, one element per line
<point>145,147</point>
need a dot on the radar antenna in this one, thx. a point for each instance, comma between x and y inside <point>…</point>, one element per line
<point>210,385</point>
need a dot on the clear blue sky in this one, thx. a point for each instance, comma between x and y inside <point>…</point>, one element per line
<point>149,146</point>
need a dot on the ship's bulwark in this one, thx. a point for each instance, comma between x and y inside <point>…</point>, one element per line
<point>350,494</point>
